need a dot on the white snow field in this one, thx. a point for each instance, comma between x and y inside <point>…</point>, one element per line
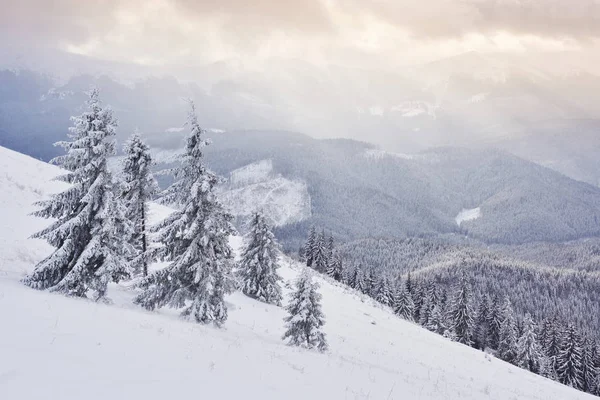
<point>466,215</point>
<point>53,347</point>
<point>255,187</point>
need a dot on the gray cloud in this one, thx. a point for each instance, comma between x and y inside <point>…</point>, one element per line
<point>43,21</point>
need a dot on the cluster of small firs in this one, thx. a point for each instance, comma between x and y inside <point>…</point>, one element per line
<point>551,349</point>
<point>100,233</point>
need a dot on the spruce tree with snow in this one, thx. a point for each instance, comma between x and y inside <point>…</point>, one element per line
<point>461,313</point>
<point>336,267</point>
<point>403,303</point>
<point>384,294</point>
<point>305,320</point>
<point>569,362</point>
<point>481,330</point>
<point>138,188</point>
<point>360,283</point>
<point>90,221</point>
<point>350,276</point>
<point>258,267</point>
<point>195,240</point>
<point>551,343</point>
<point>507,346</point>
<point>494,322</point>
<point>319,253</point>
<point>590,371</point>
<point>309,247</point>
<point>330,250</point>
<point>528,350</point>
<point>437,322</point>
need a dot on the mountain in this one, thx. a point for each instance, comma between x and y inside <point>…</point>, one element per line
<point>154,354</point>
<point>357,190</point>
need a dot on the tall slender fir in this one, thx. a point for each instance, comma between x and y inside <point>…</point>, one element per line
<point>195,241</point>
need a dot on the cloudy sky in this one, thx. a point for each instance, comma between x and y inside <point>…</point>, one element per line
<point>345,32</point>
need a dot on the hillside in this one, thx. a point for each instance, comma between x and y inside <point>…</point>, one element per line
<point>357,190</point>
<point>73,348</point>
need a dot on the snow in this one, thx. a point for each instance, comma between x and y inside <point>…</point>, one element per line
<point>467,215</point>
<point>63,348</point>
<point>252,173</point>
<point>255,187</point>
<point>378,154</point>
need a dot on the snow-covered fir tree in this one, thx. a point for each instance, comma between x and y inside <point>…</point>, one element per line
<point>481,330</point>
<point>308,248</point>
<point>195,241</point>
<point>569,362</point>
<point>494,322</point>
<point>461,313</point>
<point>360,283</point>
<point>551,342</point>
<point>259,264</point>
<point>350,275</point>
<point>90,220</point>
<point>335,268</point>
<point>528,350</point>
<point>330,250</point>
<point>305,320</point>
<point>507,346</point>
<point>138,187</point>
<point>588,360</point>
<point>437,321</point>
<point>384,294</point>
<point>318,253</point>
<point>403,303</point>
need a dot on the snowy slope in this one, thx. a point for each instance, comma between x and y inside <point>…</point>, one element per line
<point>466,215</point>
<point>53,347</point>
<point>255,187</point>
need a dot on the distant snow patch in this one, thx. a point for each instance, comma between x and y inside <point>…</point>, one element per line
<point>468,215</point>
<point>251,173</point>
<point>255,187</point>
<point>378,154</point>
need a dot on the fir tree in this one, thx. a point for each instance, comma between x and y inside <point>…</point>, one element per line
<point>305,318</point>
<point>309,247</point>
<point>360,283</point>
<point>589,370</point>
<point>330,251</point>
<point>507,346</point>
<point>195,240</point>
<point>90,221</point>
<point>461,313</point>
<point>258,268</point>
<point>528,350</point>
<point>551,342</point>
<point>351,274</point>
<point>138,187</point>
<point>494,323</point>
<point>481,330</point>
<point>403,303</point>
<point>336,268</point>
<point>319,254</point>
<point>437,322</point>
<point>569,362</point>
<point>384,294</point>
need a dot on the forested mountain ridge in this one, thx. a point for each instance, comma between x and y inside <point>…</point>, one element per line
<point>358,191</point>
